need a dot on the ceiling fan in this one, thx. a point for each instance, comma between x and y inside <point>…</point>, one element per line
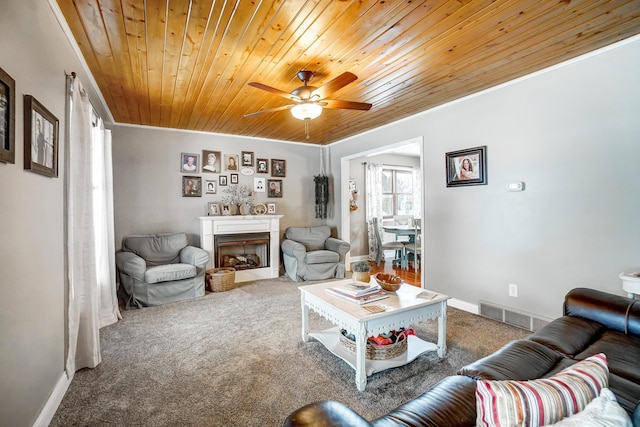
<point>309,101</point>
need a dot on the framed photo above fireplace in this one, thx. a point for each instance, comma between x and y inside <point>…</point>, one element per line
<point>247,158</point>
<point>274,188</point>
<point>262,165</point>
<point>191,186</point>
<point>189,162</point>
<point>278,168</point>
<point>211,187</point>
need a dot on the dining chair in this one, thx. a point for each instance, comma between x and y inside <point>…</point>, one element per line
<point>403,220</point>
<point>398,247</point>
<point>413,247</point>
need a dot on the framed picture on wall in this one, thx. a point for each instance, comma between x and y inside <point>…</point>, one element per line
<point>262,165</point>
<point>259,185</point>
<point>466,167</point>
<point>211,161</point>
<point>247,158</point>
<point>189,162</point>
<point>191,186</point>
<point>234,178</point>
<point>274,188</point>
<point>231,162</point>
<point>278,168</point>
<point>40,138</point>
<point>211,187</point>
<point>222,180</point>
<point>7,118</point>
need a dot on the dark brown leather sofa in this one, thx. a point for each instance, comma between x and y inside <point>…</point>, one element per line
<point>593,322</point>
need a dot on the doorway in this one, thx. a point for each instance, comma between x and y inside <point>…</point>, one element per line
<point>353,222</point>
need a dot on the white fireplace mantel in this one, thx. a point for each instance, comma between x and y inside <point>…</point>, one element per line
<point>212,226</point>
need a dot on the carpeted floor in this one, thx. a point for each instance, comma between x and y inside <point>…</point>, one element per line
<point>236,359</point>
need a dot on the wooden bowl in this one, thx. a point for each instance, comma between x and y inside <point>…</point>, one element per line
<point>388,282</point>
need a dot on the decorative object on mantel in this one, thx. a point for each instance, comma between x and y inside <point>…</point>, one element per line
<point>260,209</point>
<point>238,195</point>
<point>322,189</point>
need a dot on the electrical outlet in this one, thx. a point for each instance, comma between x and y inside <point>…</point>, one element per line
<point>513,290</point>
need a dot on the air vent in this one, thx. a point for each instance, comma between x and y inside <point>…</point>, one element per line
<point>511,316</point>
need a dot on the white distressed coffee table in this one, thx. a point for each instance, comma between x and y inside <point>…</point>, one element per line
<point>403,309</point>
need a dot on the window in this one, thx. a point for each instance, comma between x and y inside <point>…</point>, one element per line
<point>397,192</point>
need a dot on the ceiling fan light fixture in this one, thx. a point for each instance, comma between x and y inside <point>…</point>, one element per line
<point>306,110</point>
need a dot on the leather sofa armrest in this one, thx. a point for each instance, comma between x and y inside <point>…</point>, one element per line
<point>517,360</point>
<point>194,256</point>
<point>131,265</point>
<point>293,249</point>
<point>614,311</point>
<point>328,413</point>
<point>337,245</point>
<point>451,402</point>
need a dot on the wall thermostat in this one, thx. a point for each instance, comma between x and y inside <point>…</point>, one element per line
<point>516,186</point>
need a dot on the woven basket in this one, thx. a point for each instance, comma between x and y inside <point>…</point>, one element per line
<point>377,352</point>
<point>221,279</point>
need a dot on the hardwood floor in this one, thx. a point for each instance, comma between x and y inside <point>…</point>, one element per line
<point>409,276</point>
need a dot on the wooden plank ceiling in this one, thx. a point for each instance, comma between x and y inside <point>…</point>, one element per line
<point>186,63</point>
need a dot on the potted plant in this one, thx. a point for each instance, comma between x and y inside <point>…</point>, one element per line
<point>361,271</point>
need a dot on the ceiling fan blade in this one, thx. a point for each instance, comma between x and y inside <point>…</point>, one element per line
<point>346,105</point>
<point>270,110</point>
<point>333,85</point>
<point>274,91</point>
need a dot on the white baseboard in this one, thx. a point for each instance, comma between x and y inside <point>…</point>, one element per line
<point>464,306</point>
<point>50,408</point>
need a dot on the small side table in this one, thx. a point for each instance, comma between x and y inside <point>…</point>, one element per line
<point>631,284</point>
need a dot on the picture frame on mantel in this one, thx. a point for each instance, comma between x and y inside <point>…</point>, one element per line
<point>466,167</point>
<point>7,118</point>
<point>40,138</point>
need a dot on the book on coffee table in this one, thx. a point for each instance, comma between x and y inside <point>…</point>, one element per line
<point>355,289</point>
<point>376,295</point>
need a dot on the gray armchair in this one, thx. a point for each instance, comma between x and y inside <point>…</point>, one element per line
<point>159,268</point>
<point>309,253</point>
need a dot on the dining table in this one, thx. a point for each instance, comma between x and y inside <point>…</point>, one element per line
<point>402,230</point>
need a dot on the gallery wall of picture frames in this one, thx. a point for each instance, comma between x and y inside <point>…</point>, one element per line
<point>218,171</point>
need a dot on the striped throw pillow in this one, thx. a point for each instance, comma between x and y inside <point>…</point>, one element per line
<point>541,401</point>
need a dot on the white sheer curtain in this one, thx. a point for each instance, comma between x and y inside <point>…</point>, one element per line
<point>90,246</point>
<point>373,182</point>
<point>417,193</point>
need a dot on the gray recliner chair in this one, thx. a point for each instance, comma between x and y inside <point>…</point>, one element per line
<point>309,253</point>
<point>156,269</point>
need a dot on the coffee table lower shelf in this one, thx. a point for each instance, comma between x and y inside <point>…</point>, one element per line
<point>330,338</point>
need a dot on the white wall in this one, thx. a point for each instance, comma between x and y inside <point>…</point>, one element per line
<point>148,181</point>
<point>572,135</point>
<point>36,53</point>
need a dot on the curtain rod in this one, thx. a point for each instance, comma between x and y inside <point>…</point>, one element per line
<point>394,166</point>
